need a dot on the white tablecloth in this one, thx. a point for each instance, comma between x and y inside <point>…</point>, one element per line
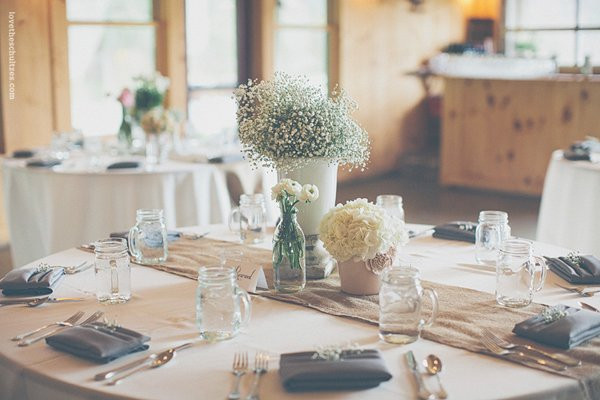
<point>163,307</point>
<point>570,208</point>
<point>49,210</point>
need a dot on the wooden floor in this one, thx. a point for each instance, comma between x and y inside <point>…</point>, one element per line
<point>425,201</point>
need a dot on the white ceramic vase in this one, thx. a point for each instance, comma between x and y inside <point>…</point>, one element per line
<point>356,279</point>
<point>322,173</point>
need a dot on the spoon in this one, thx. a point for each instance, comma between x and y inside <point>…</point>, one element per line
<point>433,365</point>
<point>160,360</point>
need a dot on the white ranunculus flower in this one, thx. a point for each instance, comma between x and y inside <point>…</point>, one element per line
<point>292,187</point>
<point>360,230</point>
<point>309,193</point>
<point>276,191</point>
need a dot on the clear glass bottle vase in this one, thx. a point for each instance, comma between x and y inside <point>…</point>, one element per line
<point>289,258</point>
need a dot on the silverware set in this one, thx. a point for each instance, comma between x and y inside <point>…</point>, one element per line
<point>28,338</point>
<point>240,368</point>
<point>154,360</point>
<point>501,347</point>
<point>70,269</point>
<point>38,301</point>
<point>433,366</point>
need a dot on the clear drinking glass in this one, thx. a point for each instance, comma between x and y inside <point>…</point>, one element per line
<point>113,273</point>
<point>515,273</point>
<point>148,238</point>
<point>392,204</point>
<point>492,229</point>
<point>219,302</point>
<point>401,305</point>
<point>250,218</point>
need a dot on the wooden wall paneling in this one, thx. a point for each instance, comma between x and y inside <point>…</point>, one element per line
<point>59,65</point>
<point>170,50</point>
<point>452,121</point>
<point>28,118</point>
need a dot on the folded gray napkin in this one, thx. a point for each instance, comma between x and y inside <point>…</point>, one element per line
<point>124,165</point>
<point>457,230</point>
<point>578,270</point>
<point>98,342</point>
<point>43,163</point>
<point>23,154</point>
<point>31,281</point>
<point>354,370</point>
<point>576,327</point>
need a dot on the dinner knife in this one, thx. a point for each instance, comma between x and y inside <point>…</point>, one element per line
<point>422,393</point>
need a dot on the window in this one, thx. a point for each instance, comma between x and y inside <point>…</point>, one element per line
<point>212,67</point>
<point>109,42</point>
<point>566,29</point>
<point>302,36</point>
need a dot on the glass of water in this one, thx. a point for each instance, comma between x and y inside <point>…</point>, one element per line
<point>392,204</point>
<point>491,230</point>
<point>148,238</point>
<point>516,269</point>
<point>113,273</point>
<point>401,305</point>
<point>250,218</point>
<point>219,303</point>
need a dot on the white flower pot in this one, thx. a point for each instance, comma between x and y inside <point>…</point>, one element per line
<point>356,279</point>
<point>323,174</point>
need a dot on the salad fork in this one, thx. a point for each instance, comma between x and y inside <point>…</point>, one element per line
<point>580,290</point>
<point>239,368</point>
<point>68,322</point>
<point>261,365</point>
<point>92,318</point>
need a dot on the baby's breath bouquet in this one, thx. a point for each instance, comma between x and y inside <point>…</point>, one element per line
<point>285,122</point>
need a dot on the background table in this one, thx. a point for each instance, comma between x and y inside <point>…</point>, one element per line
<point>570,208</point>
<point>162,306</point>
<point>49,210</point>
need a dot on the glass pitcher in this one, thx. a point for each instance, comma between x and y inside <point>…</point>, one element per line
<point>148,238</point>
<point>401,305</point>
<point>250,218</point>
<point>515,273</point>
<point>219,302</point>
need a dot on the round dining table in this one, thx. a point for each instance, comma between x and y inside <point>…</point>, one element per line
<point>53,209</point>
<point>163,307</point>
<point>569,210</point>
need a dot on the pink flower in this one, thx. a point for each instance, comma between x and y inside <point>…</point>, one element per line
<point>126,98</point>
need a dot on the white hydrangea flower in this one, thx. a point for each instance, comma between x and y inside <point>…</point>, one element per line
<point>309,193</point>
<point>360,230</point>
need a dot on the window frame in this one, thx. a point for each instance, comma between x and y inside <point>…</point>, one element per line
<point>575,29</point>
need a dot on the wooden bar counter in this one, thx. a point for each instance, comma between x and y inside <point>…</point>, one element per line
<point>499,134</point>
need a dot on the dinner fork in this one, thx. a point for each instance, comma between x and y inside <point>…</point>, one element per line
<point>494,348</point>
<point>68,322</point>
<point>92,318</point>
<point>561,358</point>
<point>261,365</point>
<point>580,291</point>
<point>240,366</point>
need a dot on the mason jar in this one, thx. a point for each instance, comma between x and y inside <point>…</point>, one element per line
<point>491,231</point>
<point>113,272</point>
<point>148,238</point>
<point>250,218</point>
<point>392,204</point>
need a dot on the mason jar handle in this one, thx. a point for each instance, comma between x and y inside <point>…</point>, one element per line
<point>543,270</point>
<point>434,311</point>
<point>234,219</point>
<point>241,293</point>
<point>132,242</point>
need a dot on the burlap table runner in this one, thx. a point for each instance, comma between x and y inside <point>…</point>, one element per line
<point>463,313</point>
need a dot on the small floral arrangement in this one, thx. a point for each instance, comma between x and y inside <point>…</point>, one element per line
<point>288,193</point>
<point>361,231</point>
<point>285,122</point>
<point>149,93</point>
<point>158,120</point>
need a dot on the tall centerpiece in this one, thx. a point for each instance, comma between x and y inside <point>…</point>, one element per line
<point>298,129</point>
<point>363,238</point>
<point>289,257</point>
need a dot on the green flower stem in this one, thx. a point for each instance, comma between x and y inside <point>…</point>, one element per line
<point>287,242</point>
